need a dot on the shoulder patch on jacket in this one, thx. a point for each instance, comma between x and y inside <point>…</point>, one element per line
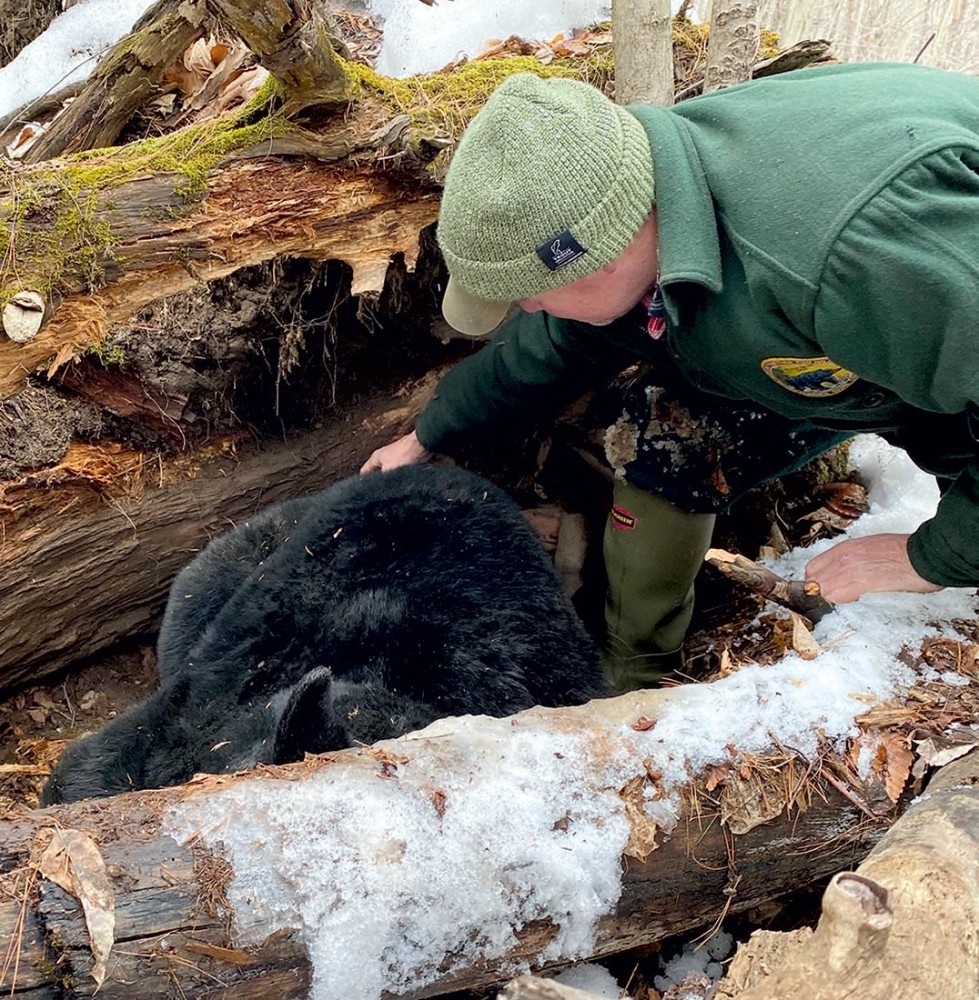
<point>815,377</point>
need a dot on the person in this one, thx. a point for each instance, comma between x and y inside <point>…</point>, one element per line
<point>790,261</point>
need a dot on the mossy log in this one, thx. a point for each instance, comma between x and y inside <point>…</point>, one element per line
<point>151,235</point>
<point>172,894</point>
<point>904,925</point>
<point>289,37</point>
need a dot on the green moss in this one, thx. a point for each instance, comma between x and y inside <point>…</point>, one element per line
<point>107,354</point>
<point>55,236</point>
<point>445,102</point>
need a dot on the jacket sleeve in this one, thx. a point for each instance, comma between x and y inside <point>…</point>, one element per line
<point>899,305</point>
<point>533,366</point>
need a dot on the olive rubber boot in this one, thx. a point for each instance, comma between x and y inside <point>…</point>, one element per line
<point>653,551</point>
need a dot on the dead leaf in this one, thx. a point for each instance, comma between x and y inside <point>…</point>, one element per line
<point>747,800</point>
<point>849,500</point>
<point>892,764</point>
<point>727,666</point>
<point>937,751</point>
<point>242,88</point>
<point>716,775</point>
<point>951,654</point>
<point>642,830</point>
<point>73,861</point>
<point>438,797</point>
<point>642,724</point>
<point>24,139</point>
<point>802,641</point>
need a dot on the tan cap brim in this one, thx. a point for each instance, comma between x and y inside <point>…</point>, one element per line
<point>470,315</point>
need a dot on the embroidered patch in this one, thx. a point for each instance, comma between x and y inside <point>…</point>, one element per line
<point>621,518</point>
<point>560,250</point>
<point>814,377</point>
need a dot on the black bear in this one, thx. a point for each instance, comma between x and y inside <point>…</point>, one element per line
<point>355,614</point>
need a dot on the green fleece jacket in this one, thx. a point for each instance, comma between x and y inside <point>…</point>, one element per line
<point>819,255</point>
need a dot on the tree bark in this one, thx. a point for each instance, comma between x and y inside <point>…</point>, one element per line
<point>166,940</point>
<point>905,925</point>
<point>642,32</point>
<point>807,53</point>
<point>292,42</point>
<point>733,43</point>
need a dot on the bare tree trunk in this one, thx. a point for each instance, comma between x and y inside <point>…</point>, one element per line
<point>642,32</point>
<point>733,44</point>
<point>164,892</point>
<point>905,925</point>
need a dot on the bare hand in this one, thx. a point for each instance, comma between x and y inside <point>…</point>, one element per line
<point>407,450</point>
<point>867,565</point>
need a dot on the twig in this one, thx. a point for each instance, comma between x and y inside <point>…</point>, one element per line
<point>797,595</point>
<point>924,47</point>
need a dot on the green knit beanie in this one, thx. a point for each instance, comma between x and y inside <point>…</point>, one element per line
<point>550,182</point>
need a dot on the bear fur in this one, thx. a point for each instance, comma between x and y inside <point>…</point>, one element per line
<point>356,614</point>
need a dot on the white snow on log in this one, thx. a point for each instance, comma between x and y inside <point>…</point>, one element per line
<point>384,890</point>
<point>496,823</point>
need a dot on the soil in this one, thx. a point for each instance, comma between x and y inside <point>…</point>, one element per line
<point>37,722</point>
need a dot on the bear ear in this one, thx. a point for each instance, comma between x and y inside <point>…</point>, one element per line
<point>307,723</point>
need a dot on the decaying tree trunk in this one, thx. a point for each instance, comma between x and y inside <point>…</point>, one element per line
<point>170,897</point>
<point>258,206</point>
<point>905,925</point>
<point>288,36</point>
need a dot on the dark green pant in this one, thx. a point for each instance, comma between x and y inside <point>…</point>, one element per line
<point>653,551</point>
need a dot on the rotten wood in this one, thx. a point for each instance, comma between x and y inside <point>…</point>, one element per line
<point>802,596</point>
<point>904,925</point>
<point>167,940</point>
<point>256,209</point>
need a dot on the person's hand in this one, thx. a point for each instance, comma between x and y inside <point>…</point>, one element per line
<point>865,566</point>
<point>407,450</point>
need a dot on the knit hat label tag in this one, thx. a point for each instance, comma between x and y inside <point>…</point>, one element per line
<point>560,250</point>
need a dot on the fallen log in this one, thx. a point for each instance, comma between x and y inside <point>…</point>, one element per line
<point>904,925</point>
<point>161,245</point>
<point>437,862</point>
